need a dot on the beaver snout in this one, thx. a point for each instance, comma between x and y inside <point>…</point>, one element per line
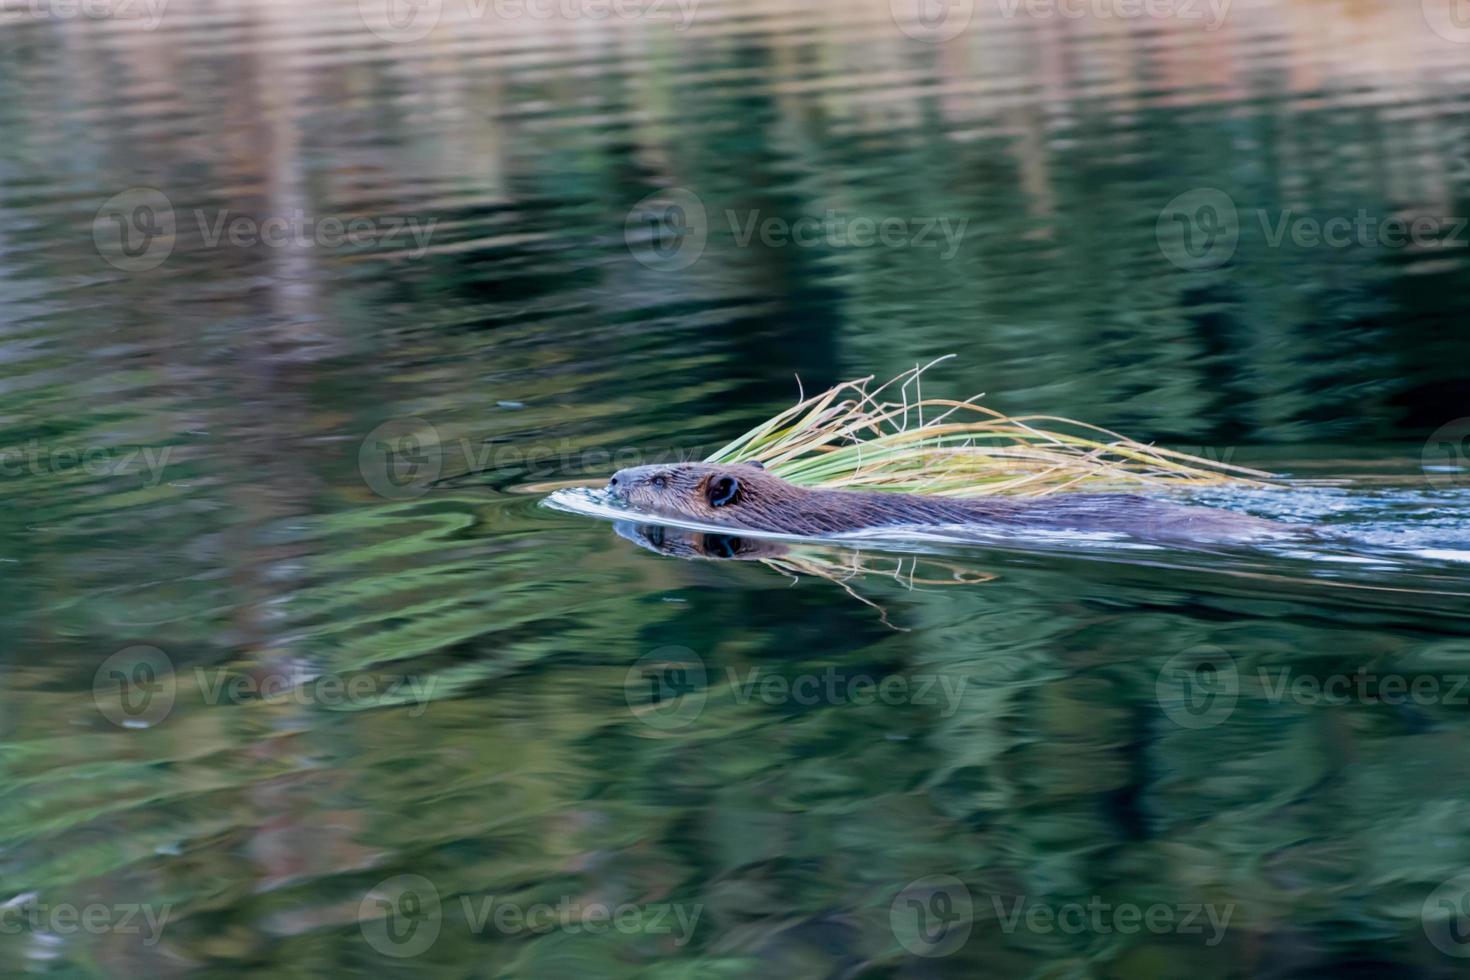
<point>620,483</point>
<point>628,479</point>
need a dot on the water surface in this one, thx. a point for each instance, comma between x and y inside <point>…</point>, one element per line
<point>299,667</point>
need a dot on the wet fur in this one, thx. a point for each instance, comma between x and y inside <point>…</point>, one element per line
<point>761,501</point>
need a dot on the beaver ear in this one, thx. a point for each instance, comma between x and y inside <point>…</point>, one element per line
<point>722,490</point>
<point>756,463</point>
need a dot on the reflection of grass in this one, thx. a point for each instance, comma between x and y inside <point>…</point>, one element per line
<point>855,564</point>
<point>847,437</point>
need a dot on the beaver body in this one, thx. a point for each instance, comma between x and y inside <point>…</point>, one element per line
<point>745,496</point>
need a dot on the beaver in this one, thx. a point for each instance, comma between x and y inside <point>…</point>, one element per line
<point>746,496</point>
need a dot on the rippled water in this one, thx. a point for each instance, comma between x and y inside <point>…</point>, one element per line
<point>306,307</point>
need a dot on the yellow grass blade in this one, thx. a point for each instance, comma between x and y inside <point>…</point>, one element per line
<point>847,437</point>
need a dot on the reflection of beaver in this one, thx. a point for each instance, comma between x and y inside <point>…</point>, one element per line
<point>744,495</point>
<point>698,544</point>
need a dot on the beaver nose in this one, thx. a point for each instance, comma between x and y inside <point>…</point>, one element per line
<point>619,484</point>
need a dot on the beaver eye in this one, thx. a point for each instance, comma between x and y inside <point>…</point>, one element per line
<point>660,481</point>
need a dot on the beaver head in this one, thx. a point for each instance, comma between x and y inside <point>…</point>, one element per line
<point>744,495</point>
<point>711,493</point>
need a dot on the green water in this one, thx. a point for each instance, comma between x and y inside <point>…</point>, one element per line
<point>300,680</point>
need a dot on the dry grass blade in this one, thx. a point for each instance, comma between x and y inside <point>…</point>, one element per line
<point>848,437</point>
<point>842,570</point>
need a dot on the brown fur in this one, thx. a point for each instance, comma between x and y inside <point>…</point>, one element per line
<point>760,501</point>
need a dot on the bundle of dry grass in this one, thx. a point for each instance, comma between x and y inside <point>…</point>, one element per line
<point>848,437</point>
